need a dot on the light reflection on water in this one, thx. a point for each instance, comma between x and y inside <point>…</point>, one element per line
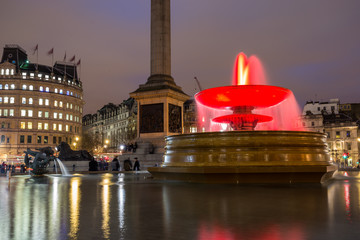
<point>133,207</point>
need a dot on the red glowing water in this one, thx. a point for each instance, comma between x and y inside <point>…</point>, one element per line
<point>249,101</point>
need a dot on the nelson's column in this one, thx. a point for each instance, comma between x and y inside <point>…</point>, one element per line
<point>160,100</point>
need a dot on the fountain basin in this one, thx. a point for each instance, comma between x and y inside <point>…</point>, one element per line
<point>246,156</point>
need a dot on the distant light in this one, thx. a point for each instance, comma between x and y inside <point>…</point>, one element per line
<point>27,61</point>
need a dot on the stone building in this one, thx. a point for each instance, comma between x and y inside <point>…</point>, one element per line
<point>39,105</point>
<point>113,125</point>
<point>342,132</point>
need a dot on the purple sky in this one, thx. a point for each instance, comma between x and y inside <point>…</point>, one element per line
<point>310,46</point>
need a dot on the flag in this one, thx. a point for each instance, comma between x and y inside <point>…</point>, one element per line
<point>72,59</point>
<point>79,62</point>
<point>50,52</point>
<point>35,49</point>
<point>64,57</point>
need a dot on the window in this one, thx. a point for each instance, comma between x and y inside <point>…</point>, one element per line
<point>23,112</point>
<point>5,112</point>
<point>38,139</point>
<point>337,134</point>
<point>6,86</point>
<point>7,71</point>
<point>24,87</point>
<point>39,126</point>
<point>12,86</point>
<point>30,101</point>
<point>46,114</point>
<point>31,87</point>
<point>71,106</point>
<point>46,126</point>
<point>41,101</point>
<point>29,139</point>
<point>55,90</point>
<point>46,139</point>
<point>348,146</point>
<point>47,90</point>
<point>12,100</point>
<point>312,124</point>
<point>55,115</point>
<point>67,128</point>
<point>23,100</point>
<point>22,139</point>
<point>39,114</point>
<point>67,93</point>
<point>55,103</point>
<point>59,139</point>
<point>54,140</point>
<point>30,113</point>
<point>61,104</point>
<point>22,125</point>
<point>54,126</point>
<point>2,138</point>
<point>0,99</point>
<point>60,115</point>
<point>6,99</point>
<point>29,125</point>
<point>61,91</point>
<point>11,113</point>
<point>47,102</point>
<point>41,88</point>
<point>67,116</point>
<point>60,127</point>
<point>348,134</point>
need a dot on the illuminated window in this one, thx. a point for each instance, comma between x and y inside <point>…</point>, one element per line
<point>23,112</point>
<point>7,71</point>
<point>67,116</point>
<point>31,87</point>
<point>46,114</point>
<point>47,77</point>
<point>71,117</point>
<point>60,127</point>
<point>6,86</point>
<point>24,87</point>
<point>55,103</point>
<point>0,99</point>
<point>29,125</point>
<point>22,125</point>
<point>30,113</point>
<point>56,90</point>
<point>41,101</point>
<point>337,134</point>
<point>67,105</point>
<point>39,75</point>
<point>61,104</point>
<point>1,84</point>
<point>12,86</point>
<point>41,88</point>
<point>60,115</point>
<point>38,139</point>
<point>32,75</point>
<point>12,72</point>
<point>12,100</point>
<point>39,126</point>
<point>71,106</point>
<point>30,101</point>
<point>55,115</point>
<point>67,93</point>
<point>5,112</point>
<point>46,139</point>
<point>2,71</point>
<point>39,114</point>
<point>6,99</point>
<point>54,126</point>
<point>71,93</point>
<point>66,128</point>
<point>23,75</point>
<point>11,112</point>
<point>47,89</point>
<point>47,102</point>
<point>61,91</point>
<point>46,126</point>
<point>0,112</point>
<point>23,100</point>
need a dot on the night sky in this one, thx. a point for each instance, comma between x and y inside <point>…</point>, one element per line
<point>310,46</point>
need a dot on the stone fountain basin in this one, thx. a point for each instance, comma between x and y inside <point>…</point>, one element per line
<point>230,97</point>
<point>245,156</point>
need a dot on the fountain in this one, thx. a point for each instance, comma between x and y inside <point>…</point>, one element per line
<point>245,154</point>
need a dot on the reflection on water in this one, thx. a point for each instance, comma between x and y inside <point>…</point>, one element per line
<point>133,207</point>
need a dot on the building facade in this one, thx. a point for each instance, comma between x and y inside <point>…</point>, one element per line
<point>39,105</point>
<point>341,128</point>
<point>113,126</point>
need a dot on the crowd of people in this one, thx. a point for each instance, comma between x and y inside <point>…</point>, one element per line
<point>114,165</point>
<point>4,168</point>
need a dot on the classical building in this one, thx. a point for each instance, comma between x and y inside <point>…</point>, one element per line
<point>113,125</point>
<point>341,127</point>
<point>39,105</point>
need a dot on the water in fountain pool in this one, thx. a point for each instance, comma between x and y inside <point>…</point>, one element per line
<point>133,206</point>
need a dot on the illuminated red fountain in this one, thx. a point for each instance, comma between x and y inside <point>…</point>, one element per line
<point>242,98</point>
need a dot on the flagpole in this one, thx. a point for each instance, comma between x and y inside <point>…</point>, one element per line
<point>52,61</point>
<point>37,58</point>
<point>74,68</point>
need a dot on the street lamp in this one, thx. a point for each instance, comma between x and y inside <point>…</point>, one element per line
<point>74,143</point>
